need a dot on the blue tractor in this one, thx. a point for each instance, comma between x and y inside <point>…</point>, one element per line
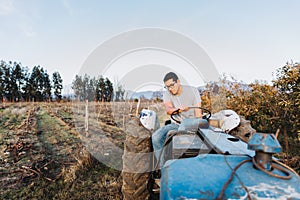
<point>202,161</point>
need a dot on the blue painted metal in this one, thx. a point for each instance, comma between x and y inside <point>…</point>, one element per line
<point>203,177</point>
<point>224,143</point>
<point>193,124</point>
<point>264,142</point>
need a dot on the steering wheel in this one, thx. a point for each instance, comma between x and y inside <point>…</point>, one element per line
<point>206,115</point>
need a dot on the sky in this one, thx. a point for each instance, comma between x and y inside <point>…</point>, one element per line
<point>247,39</point>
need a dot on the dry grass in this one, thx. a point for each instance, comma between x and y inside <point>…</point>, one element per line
<point>53,163</point>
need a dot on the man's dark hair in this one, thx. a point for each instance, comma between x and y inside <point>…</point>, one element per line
<point>171,75</point>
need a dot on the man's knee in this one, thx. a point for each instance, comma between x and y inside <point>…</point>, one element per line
<point>155,139</point>
<point>156,136</point>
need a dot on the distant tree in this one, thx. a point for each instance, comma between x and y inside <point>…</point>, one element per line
<point>13,82</point>
<point>46,91</point>
<point>85,81</point>
<point>77,86</point>
<point>2,63</point>
<point>288,85</point>
<point>17,78</point>
<point>39,85</point>
<point>26,86</point>
<point>214,96</point>
<point>84,87</point>
<point>57,85</point>
<point>100,89</point>
<point>109,90</point>
<point>33,83</point>
<point>90,89</point>
<point>16,83</point>
<point>257,103</point>
<point>7,82</point>
<point>119,92</point>
<point>2,84</point>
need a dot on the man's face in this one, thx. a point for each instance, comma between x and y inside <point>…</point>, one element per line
<point>172,86</point>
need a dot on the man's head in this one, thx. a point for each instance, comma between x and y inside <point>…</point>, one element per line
<point>172,83</point>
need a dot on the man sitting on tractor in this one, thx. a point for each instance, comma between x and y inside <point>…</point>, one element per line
<point>177,97</point>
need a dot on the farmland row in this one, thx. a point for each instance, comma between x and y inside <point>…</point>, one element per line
<point>40,149</point>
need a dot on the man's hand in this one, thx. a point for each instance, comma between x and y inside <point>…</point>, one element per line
<point>198,112</point>
<point>183,109</point>
<point>170,108</point>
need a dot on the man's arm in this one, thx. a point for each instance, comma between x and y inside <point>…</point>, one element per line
<point>170,108</point>
<point>198,112</point>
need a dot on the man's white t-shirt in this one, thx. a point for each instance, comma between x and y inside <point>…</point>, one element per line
<point>189,97</point>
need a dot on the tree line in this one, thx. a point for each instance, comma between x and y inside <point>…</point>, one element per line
<point>17,83</point>
<point>96,89</point>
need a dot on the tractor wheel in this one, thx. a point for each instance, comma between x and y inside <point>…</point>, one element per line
<point>137,161</point>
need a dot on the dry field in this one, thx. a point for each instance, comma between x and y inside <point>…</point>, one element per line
<point>63,150</point>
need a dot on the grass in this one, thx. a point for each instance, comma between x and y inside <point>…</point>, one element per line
<point>54,136</point>
<point>66,169</point>
<point>10,119</point>
<point>94,182</point>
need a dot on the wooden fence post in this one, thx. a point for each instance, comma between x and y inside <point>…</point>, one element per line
<point>86,125</point>
<point>138,107</point>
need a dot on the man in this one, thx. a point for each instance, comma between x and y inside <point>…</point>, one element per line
<point>177,97</point>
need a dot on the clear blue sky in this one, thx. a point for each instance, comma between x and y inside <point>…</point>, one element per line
<point>248,39</point>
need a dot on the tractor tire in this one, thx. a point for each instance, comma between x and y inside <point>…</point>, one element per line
<point>137,161</point>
